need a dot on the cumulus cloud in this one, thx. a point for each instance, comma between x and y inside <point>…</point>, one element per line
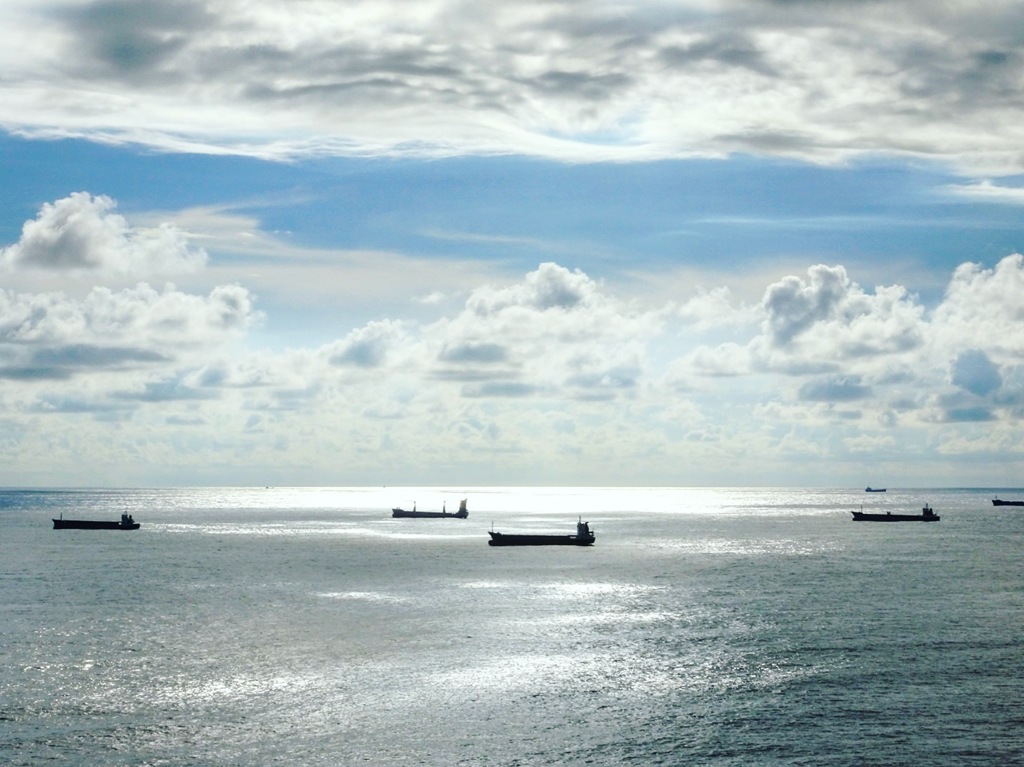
<point>51,336</point>
<point>82,234</point>
<point>544,368</point>
<point>555,330</point>
<point>549,287</point>
<point>557,335</point>
<point>984,304</point>
<point>793,305</point>
<point>827,319</point>
<point>367,347</point>
<point>716,308</point>
<point>167,318</point>
<point>832,343</point>
<point>599,80</point>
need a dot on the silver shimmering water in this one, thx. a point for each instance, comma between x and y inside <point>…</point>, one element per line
<point>705,627</point>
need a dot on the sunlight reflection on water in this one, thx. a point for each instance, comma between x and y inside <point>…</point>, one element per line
<point>367,596</point>
<point>712,627</point>
<point>748,547</point>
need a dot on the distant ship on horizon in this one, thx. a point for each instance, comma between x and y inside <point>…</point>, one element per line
<point>462,513</point>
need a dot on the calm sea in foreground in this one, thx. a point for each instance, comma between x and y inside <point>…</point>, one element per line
<point>266,626</point>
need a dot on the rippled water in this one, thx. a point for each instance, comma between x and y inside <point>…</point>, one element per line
<point>705,627</point>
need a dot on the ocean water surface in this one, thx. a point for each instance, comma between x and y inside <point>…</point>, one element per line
<point>259,626</point>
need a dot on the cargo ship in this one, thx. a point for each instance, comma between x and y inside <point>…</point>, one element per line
<point>462,513</point>
<point>126,523</point>
<point>926,515</point>
<point>584,537</point>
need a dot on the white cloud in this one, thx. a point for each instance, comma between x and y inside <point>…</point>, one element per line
<point>729,359</point>
<point>81,234</point>
<point>367,347</point>
<point>551,374</point>
<point>793,306</point>
<point>601,80</point>
<point>871,444</point>
<point>51,335</point>
<point>550,287</point>
<point>715,308</point>
<point>825,342</point>
<point>987,191</point>
<point>983,306</point>
<point>556,330</point>
<point>828,320</point>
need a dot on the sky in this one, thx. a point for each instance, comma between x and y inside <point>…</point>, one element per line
<point>452,243</point>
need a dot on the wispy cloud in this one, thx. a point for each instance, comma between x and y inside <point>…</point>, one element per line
<point>987,191</point>
<point>604,80</point>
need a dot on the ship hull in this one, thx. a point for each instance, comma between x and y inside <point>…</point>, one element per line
<point>860,516</point>
<point>510,539</point>
<point>92,524</point>
<point>403,514</point>
<point>997,502</point>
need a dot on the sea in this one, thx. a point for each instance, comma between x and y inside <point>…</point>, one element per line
<point>706,626</point>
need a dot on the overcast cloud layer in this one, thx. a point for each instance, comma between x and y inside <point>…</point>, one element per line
<point>823,81</point>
